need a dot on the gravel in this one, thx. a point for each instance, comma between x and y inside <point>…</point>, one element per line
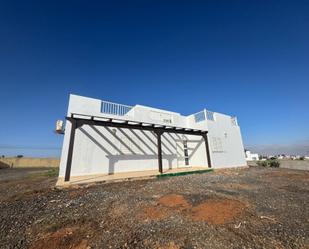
<point>34,214</point>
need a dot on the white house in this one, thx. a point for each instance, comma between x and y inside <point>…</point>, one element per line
<point>108,139</point>
<point>251,156</point>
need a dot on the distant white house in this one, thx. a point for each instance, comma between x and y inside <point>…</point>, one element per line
<point>104,138</point>
<point>251,156</point>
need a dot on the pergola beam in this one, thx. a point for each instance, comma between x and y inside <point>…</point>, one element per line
<point>77,122</point>
<point>80,122</point>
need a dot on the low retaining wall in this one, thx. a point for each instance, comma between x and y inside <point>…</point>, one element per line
<point>288,164</point>
<point>28,162</point>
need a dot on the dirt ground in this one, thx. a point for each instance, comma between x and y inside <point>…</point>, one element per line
<point>241,208</point>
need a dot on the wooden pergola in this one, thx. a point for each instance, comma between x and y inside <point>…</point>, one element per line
<point>78,120</point>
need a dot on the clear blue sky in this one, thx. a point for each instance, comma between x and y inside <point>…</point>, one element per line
<point>244,58</point>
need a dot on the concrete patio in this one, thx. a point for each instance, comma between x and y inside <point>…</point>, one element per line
<point>124,176</point>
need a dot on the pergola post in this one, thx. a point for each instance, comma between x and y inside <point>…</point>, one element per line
<point>159,133</point>
<point>70,150</point>
<point>205,136</point>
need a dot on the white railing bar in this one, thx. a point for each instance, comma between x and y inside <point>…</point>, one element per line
<point>104,101</point>
<point>197,112</point>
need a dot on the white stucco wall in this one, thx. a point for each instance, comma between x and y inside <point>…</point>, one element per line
<point>231,151</point>
<point>106,150</point>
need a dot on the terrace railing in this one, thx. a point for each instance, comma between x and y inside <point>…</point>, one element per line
<point>114,108</point>
<point>234,121</point>
<point>200,116</point>
<point>210,115</point>
<point>203,115</point>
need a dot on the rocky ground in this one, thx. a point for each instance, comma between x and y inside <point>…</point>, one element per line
<point>243,208</point>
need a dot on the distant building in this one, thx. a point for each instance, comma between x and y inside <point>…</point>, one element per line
<point>294,157</point>
<point>250,156</point>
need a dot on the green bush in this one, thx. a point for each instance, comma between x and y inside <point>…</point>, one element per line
<point>262,163</point>
<point>274,163</point>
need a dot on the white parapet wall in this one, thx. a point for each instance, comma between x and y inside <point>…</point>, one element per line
<point>110,150</point>
<point>225,141</point>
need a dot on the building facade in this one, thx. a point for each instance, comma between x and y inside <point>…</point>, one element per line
<point>108,138</point>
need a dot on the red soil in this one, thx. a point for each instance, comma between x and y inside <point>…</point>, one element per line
<point>62,239</point>
<point>216,211</point>
<point>173,200</point>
